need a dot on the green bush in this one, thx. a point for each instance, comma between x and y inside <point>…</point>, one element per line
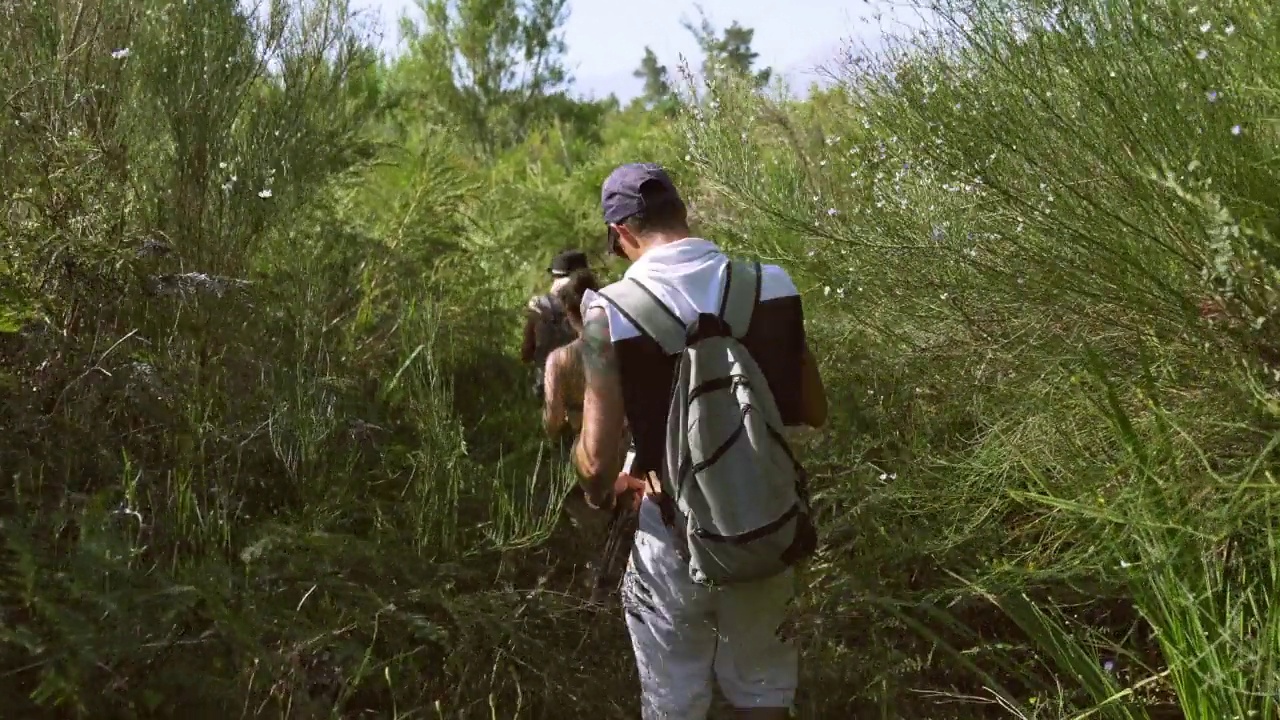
<point>239,476</point>
<point>271,451</point>
<point>1022,199</point>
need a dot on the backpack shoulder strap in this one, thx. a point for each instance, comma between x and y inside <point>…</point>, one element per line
<point>639,305</point>
<point>742,282</point>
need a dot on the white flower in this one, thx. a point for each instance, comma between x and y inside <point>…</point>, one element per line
<point>265,193</point>
<point>120,54</point>
<point>1235,129</point>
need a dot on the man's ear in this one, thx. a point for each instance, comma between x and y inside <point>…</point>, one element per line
<point>626,236</point>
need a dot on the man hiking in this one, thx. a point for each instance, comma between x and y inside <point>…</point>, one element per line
<point>706,361</point>
<point>547,326</point>
<point>562,373</point>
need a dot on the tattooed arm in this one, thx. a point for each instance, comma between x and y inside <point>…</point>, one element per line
<point>813,396</point>
<point>598,452</point>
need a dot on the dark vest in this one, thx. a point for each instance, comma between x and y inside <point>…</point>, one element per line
<point>776,340</point>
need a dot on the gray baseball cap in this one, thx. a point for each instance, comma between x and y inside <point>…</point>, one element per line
<point>629,189</point>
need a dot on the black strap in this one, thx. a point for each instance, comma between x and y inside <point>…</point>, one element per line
<point>724,294</point>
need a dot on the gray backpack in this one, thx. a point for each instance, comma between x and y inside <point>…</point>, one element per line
<point>551,331</point>
<point>741,510</point>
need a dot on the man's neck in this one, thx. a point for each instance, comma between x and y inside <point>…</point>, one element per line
<point>660,239</point>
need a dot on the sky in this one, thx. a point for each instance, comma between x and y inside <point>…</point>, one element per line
<point>606,38</point>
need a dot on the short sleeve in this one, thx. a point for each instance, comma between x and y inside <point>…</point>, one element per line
<point>619,327</point>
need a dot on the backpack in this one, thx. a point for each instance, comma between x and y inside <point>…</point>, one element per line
<point>552,330</point>
<point>736,496</point>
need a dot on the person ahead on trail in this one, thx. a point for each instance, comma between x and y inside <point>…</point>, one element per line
<point>562,373</point>
<point>546,324</point>
<point>562,405</point>
<point>719,346</point>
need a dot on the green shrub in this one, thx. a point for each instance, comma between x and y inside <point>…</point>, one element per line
<point>991,204</point>
<point>271,452</point>
<point>239,477</point>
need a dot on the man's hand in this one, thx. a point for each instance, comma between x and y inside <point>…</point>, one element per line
<point>626,488</point>
<point>597,453</point>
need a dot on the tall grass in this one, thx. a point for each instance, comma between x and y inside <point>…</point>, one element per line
<point>270,453</point>
<point>239,474</point>
<point>978,212</point>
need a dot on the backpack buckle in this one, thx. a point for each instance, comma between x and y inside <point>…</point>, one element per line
<point>706,325</point>
<point>666,503</point>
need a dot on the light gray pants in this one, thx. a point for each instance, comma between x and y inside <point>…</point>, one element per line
<point>683,633</point>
